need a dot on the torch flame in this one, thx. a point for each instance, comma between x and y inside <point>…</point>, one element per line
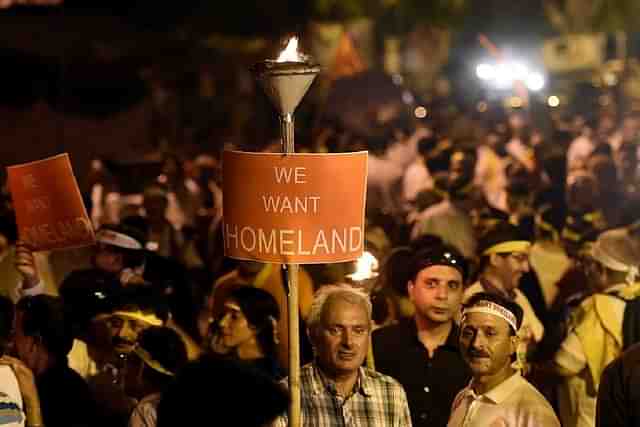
<point>366,267</point>
<point>290,53</point>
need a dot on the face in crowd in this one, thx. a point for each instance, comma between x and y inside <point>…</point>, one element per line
<point>436,292</point>
<point>341,339</point>
<point>234,327</point>
<point>510,267</point>
<point>108,258</point>
<point>124,331</point>
<point>487,343</point>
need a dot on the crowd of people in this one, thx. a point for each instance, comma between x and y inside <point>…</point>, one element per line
<point>507,293</point>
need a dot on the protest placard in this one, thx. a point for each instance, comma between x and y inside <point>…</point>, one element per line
<point>294,208</point>
<point>49,209</point>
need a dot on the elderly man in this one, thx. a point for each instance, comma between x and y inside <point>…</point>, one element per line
<point>422,352</point>
<point>336,390</point>
<point>497,394</point>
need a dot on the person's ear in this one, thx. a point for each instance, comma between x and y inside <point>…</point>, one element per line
<point>515,341</point>
<point>410,287</point>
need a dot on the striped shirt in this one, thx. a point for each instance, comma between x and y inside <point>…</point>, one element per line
<point>11,414</point>
<point>377,401</point>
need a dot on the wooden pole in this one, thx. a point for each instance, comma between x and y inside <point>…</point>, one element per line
<point>288,147</point>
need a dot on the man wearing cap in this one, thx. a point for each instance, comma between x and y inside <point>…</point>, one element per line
<point>422,353</point>
<point>497,394</point>
<point>136,309</point>
<point>504,259</point>
<point>596,333</point>
<point>117,252</point>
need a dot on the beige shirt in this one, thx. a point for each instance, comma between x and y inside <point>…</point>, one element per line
<point>513,403</point>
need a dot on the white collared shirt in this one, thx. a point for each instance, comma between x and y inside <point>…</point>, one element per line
<point>512,403</point>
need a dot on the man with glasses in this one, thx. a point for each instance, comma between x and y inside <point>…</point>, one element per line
<point>504,259</point>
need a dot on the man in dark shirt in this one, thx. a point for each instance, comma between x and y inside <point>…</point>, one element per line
<point>42,340</point>
<point>619,391</point>
<point>422,353</point>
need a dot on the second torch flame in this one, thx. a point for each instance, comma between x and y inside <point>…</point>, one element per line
<point>290,53</point>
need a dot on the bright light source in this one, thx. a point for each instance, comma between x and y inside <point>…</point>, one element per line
<point>519,71</point>
<point>420,112</point>
<point>503,77</point>
<point>366,267</point>
<point>535,81</point>
<point>290,53</point>
<point>553,101</point>
<point>482,107</point>
<point>515,102</point>
<point>485,71</point>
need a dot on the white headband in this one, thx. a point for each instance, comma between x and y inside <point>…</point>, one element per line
<point>488,307</point>
<point>115,238</point>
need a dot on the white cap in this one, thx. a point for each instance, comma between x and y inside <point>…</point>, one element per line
<point>120,240</point>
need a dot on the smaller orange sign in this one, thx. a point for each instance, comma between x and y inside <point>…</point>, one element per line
<point>294,208</point>
<point>49,208</point>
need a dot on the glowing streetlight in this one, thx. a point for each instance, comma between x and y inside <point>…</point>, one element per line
<point>535,82</point>
<point>485,71</point>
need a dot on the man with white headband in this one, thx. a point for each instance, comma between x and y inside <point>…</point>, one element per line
<point>598,327</point>
<point>504,259</point>
<point>497,394</point>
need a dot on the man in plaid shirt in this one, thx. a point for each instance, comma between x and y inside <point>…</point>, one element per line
<point>336,390</point>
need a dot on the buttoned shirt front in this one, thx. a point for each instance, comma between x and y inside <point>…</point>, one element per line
<point>431,383</point>
<point>377,401</point>
<point>512,403</point>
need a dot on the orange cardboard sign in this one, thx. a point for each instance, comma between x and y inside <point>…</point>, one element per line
<point>49,208</point>
<point>294,208</point>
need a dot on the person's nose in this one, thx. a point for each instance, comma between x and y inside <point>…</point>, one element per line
<point>478,342</point>
<point>126,332</point>
<point>347,339</point>
<point>442,292</point>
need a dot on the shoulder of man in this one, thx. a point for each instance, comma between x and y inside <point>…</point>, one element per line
<point>390,333</point>
<point>382,379</point>
<point>10,410</point>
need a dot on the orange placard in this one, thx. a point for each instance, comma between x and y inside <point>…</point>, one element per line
<point>49,208</point>
<point>294,208</point>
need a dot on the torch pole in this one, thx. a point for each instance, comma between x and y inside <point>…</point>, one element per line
<point>288,147</point>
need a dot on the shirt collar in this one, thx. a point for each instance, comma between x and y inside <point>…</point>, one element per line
<point>499,393</point>
<point>452,339</point>
<point>320,382</point>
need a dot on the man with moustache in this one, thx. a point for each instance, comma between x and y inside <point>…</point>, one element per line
<point>135,309</point>
<point>504,258</point>
<point>336,390</point>
<point>422,352</point>
<point>497,394</point>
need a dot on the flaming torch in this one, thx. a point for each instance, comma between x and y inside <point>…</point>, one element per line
<point>286,81</point>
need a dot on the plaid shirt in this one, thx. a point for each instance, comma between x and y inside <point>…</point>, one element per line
<point>377,401</point>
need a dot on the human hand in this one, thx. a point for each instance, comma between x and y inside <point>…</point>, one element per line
<point>25,263</point>
<point>28,390</point>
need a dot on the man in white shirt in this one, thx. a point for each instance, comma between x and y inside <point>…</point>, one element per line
<point>497,394</point>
